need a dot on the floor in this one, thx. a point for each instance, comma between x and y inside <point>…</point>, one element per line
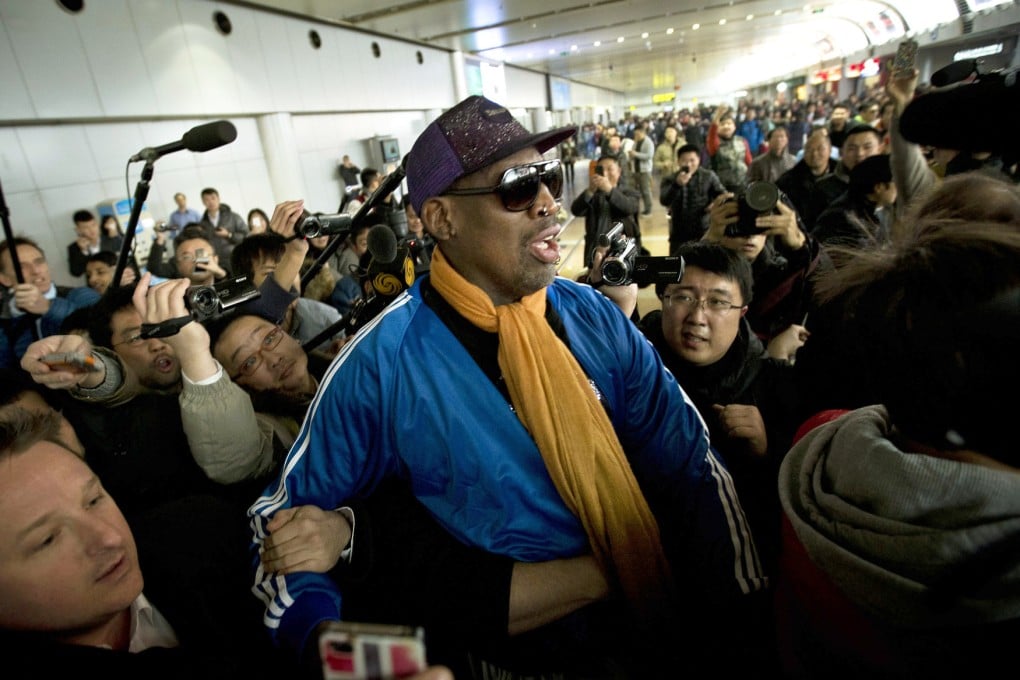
<point>654,235</point>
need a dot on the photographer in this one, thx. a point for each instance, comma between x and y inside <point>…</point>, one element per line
<point>686,194</point>
<point>783,261</point>
<point>605,202</point>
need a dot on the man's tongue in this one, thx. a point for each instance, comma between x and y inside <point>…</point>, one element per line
<point>546,251</point>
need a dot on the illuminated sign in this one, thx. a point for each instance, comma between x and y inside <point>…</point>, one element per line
<point>663,97</point>
<point>866,69</point>
<point>978,52</point>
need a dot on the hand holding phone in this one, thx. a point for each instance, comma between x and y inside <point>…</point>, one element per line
<point>905,59</point>
<point>371,651</point>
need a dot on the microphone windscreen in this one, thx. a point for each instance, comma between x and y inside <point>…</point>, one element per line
<point>956,117</point>
<point>954,73</point>
<point>382,244</point>
<point>209,136</point>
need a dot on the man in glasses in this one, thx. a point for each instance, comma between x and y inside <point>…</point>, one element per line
<point>747,397</point>
<point>528,415</point>
<point>604,203</point>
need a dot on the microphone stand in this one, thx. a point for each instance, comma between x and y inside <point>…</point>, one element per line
<point>5,214</point>
<point>141,193</point>
<point>359,218</point>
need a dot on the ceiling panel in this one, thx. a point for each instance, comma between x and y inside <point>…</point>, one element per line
<point>635,46</point>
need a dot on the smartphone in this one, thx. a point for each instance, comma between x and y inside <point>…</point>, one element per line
<point>905,59</point>
<point>600,171</point>
<point>75,362</point>
<point>371,651</point>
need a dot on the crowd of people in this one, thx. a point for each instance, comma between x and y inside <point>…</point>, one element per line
<point>798,465</point>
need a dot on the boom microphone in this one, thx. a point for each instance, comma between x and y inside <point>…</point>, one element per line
<point>200,138</point>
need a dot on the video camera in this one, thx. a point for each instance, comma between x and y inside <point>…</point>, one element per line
<point>313,226</point>
<point>954,115</point>
<point>205,302</point>
<point>758,198</point>
<point>622,265</point>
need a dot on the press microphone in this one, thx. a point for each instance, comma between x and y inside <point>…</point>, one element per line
<point>312,226</point>
<point>390,270</point>
<point>200,138</point>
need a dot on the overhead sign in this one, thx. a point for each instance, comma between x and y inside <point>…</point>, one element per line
<point>978,52</point>
<point>663,97</point>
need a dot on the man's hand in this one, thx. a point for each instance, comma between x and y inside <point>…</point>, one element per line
<point>28,299</point>
<point>683,178</point>
<point>783,226</point>
<point>304,538</point>
<point>210,266</point>
<point>83,244</point>
<point>221,232</point>
<point>111,228</point>
<point>900,89</point>
<point>744,422</point>
<point>785,345</point>
<point>61,376</point>
<point>599,183</point>
<point>624,297</point>
<point>191,344</point>
<point>284,223</point>
<point>722,212</point>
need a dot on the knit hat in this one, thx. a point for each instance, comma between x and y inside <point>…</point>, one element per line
<point>472,135</point>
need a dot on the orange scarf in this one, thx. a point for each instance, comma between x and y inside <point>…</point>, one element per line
<point>556,403</point>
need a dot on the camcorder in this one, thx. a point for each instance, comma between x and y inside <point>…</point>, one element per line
<point>757,199</point>
<point>205,302</point>
<point>622,264</point>
<point>313,226</point>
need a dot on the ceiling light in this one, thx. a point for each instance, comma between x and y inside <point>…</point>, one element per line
<point>597,43</point>
<point>552,51</point>
<point>749,17</point>
<point>695,27</point>
<point>644,35</point>
<point>620,39</point>
<point>669,31</point>
<point>573,48</point>
<point>722,22</point>
<point>777,12</point>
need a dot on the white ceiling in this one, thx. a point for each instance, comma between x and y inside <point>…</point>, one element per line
<point>738,43</point>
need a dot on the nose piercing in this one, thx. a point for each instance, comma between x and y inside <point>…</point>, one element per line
<point>544,212</point>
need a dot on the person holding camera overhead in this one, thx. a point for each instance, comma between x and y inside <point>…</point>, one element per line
<point>783,260</point>
<point>687,194</point>
<point>604,203</point>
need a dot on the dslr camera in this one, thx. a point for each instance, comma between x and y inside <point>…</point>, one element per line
<point>757,199</point>
<point>205,302</point>
<point>622,264</point>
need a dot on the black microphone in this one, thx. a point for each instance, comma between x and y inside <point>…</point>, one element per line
<point>201,138</point>
<point>324,225</point>
<point>390,271</point>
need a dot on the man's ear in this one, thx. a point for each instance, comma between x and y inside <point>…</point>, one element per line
<point>435,216</point>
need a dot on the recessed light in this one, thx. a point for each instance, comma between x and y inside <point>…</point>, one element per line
<point>597,43</point>
<point>620,39</point>
<point>777,12</point>
<point>573,48</point>
<point>722,22</point>
<point>644,35</point>
<point>749,17</point>
<point>669,31</point>
<point>695,27</point>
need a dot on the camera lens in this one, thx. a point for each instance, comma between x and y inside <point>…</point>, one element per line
<point>761,196</point>
<point>203,301</point>
<point>615,272</point>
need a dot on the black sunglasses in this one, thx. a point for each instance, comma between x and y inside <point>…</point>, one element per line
<point>518,188</point>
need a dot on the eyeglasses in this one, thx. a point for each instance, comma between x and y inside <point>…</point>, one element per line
<point>133,341</point>
<point>252,363</point>
<point>714,306</point>
<point>519,186</point>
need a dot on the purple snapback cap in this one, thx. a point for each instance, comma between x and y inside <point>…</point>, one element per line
<point>473,134</point>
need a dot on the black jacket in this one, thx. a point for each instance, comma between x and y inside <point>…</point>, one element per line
<point>803,189</point>
<point>601,211</point>
<point>688,220</point>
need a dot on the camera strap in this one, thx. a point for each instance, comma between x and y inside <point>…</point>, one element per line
<point>164,329</point>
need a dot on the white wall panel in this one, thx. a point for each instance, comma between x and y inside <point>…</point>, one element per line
<point>248,62</point>
<point>283,92</point>
<point>52,59</point>
<point>171,72</point>
<point>15,172</point>
<point>525,89</point>
<point>15,102</point>
<point>59,155</point>
<point>115,61</point>
<point>216,82</point>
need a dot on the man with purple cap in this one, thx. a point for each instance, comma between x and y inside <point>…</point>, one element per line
<point>525,411</point>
